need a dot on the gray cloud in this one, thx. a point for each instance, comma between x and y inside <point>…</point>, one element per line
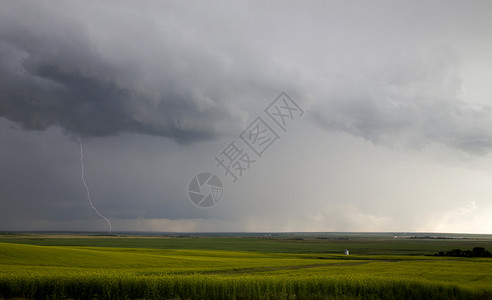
<point>168,70</point>
<point>53,72</point>
<point>412,99</point>
<point>396,74</point>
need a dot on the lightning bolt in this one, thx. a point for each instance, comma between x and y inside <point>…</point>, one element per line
<point>87,188</point>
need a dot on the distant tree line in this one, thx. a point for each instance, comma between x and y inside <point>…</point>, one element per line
<point>428,237</point>
<point>476,252</point>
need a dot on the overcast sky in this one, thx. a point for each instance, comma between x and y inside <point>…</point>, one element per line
<point>396,133</point>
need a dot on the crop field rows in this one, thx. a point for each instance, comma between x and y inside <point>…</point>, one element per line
<point>238,268</point>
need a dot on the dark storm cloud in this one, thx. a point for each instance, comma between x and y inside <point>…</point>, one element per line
<point>54,73</point>
<point>392,73</point>
<point>167,69</point>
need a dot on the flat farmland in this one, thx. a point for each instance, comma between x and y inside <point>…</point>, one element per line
<point>285,266</point>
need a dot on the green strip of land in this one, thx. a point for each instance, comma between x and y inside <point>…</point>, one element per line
<point>243,267</point>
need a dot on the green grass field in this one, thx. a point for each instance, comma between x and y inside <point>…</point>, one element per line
<point>241,267</point>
